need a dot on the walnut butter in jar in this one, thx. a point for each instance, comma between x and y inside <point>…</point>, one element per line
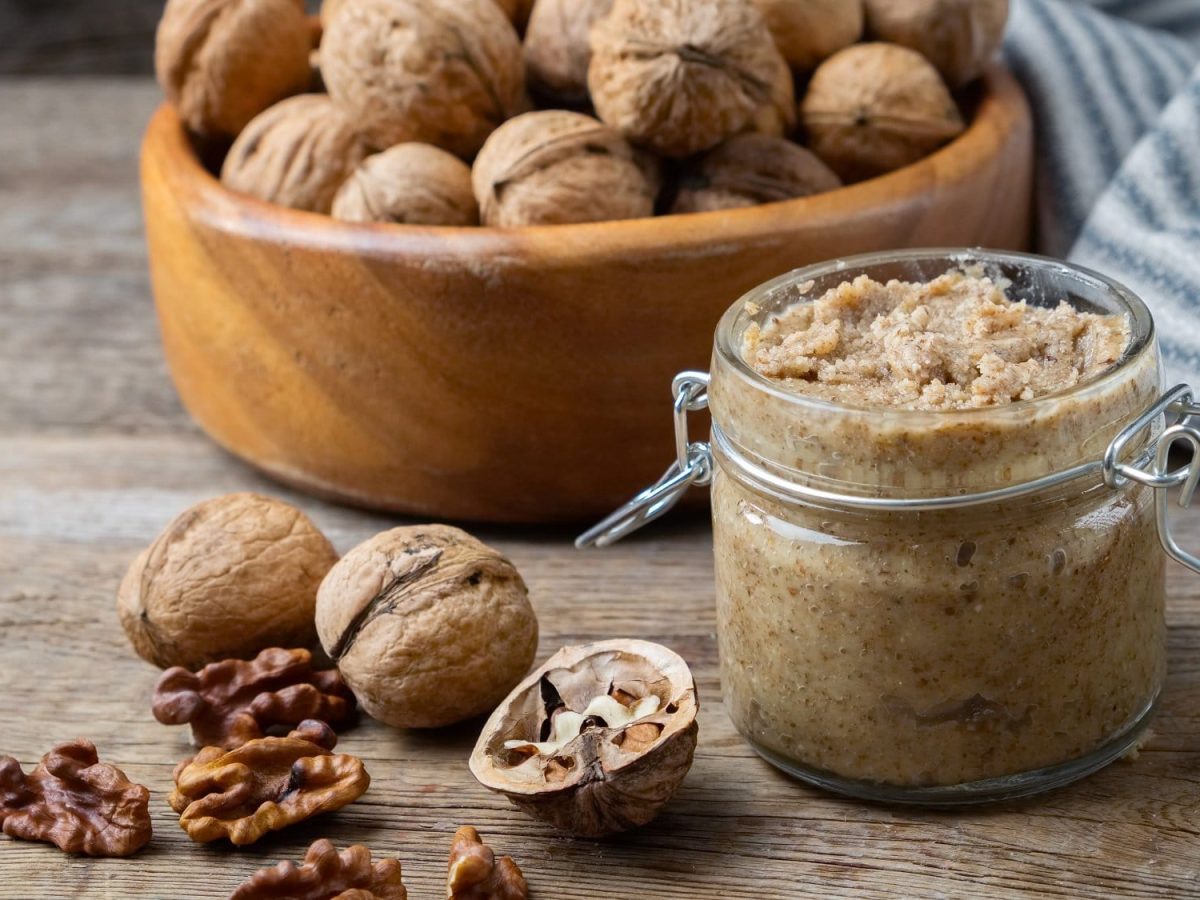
<point>938,484</point>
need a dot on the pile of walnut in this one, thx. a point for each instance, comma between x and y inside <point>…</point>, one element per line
<point>509,112</point>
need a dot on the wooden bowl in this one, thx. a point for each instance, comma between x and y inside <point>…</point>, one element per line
<point>520,375</point>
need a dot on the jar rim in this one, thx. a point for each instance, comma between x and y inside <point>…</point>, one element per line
<point>727,339</point>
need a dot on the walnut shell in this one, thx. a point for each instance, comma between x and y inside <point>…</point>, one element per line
<point>441,72</point>
<point>413,183</point>
<point>222,62</point>
<point>749,170</point>
<point>427,625</point>
<point>809,31</point>
<point>226,579</point>
<point>872,108</point>
<point>557,52</point>
<point>959,37</point>
<point>681,76</point>
<point>297,153</point>
<point>595,777</point>
<point>554,167</point>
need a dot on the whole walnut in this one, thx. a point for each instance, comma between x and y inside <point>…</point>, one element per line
<point>557,52</point>
<point>297,153</point>
<point>222,62</point>
<point>227,578</point>
<point>427,625</point>
<point>554,167</point>
<point>751,169</point>
<point>959,37</point>
<point>872,108</point>
<point>441,72</point>
<point>680,76</point>
<point>809,31</point>
<point>413,183</point>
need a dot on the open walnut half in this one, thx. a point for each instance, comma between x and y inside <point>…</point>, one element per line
<point>597,740</point>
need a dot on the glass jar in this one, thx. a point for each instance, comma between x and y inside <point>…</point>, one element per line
<point>936,607</point>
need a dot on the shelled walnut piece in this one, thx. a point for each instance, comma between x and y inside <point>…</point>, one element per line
<point>264,785</point>
<point>595,741</point>
<point>417,184</point>
<point>476,874</point>
<point>235,701</point>
<point>74,801</point>
<point>326,874</point>
<point>222,62</point>
<point>680,76</point>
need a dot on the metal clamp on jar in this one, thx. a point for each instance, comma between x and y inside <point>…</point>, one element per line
<point>939,606</point>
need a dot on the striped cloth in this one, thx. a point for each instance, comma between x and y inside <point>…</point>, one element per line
<point>1115,87</point>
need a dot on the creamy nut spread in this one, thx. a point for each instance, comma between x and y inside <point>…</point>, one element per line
<point>955,342</point>
<point>938,647</point>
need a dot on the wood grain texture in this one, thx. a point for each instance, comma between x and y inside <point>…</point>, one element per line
<point>504,375</point>
<point>95,456</point>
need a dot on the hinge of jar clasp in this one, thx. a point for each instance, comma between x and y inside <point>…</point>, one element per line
<point>1153,467</point>
<point>692,468</point>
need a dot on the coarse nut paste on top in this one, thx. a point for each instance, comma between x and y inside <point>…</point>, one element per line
<point>933,647</point>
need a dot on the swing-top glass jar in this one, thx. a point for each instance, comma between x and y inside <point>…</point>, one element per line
<point>936,605</point>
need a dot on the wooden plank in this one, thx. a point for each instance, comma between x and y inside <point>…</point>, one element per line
<point>95,456</point>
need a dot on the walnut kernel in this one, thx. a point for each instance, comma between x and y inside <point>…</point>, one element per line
<point>476,874</point>
<point>227,578</point>
<point>222,62</point>
<point>872,108</point>
<point>557,52</point>
<point>959,37</point>
<point>418,184</point>
<point>809,31</point>
<point>441,72</point>
<point>326,874</point>
<point>556,167</point>
<point>680,76</point>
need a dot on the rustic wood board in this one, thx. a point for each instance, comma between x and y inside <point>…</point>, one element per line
<point>96,455</point>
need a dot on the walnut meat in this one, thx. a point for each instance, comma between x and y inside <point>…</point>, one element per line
<point>441,72</point>
<point>417,184</point>
<point>809,31</point>
<point>557,52</point>
<point>235,701</point>
<point>556,167</point>
<point>326,874</point>
<point>76,802</point>
<point>960,37</point>
<point>751,169</point>
<point>872,108</point>
<point>227,578</point>
<point>264,785</point>
<point>297,153</point>
<point>595,741</point>
<point>476,874</point>
<point>427,625</point>
<point>222,62</point>
<point>680,76</point>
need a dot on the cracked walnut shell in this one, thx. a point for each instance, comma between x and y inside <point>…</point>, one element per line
<point>297,154</point>
<point>326,874</point>
<point>555,167</point>
<point>441,72</point>
<point>476,874</point>
<point>264,785</point>
<point>235,701</point>
<point>749,170</point>
<point>809,31</point>
<point>416,184</point>
<point>872,108</point>
<point>427,625</point>
<point>595,741</point>
<point>557,52</point>
<point>680,76</point>
<point>227,578</point>
<point>959,37</point>
<point>76,802</point>
<point>222,62</point>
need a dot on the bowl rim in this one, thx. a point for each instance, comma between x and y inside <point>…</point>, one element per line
<point>1001,107</point>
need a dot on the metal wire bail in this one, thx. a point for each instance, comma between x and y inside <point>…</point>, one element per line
<point>692,468</point>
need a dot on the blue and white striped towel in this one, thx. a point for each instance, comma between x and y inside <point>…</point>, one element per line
<point>1115,87</point>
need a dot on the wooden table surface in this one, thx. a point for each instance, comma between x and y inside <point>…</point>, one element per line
<point>96,456</point>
